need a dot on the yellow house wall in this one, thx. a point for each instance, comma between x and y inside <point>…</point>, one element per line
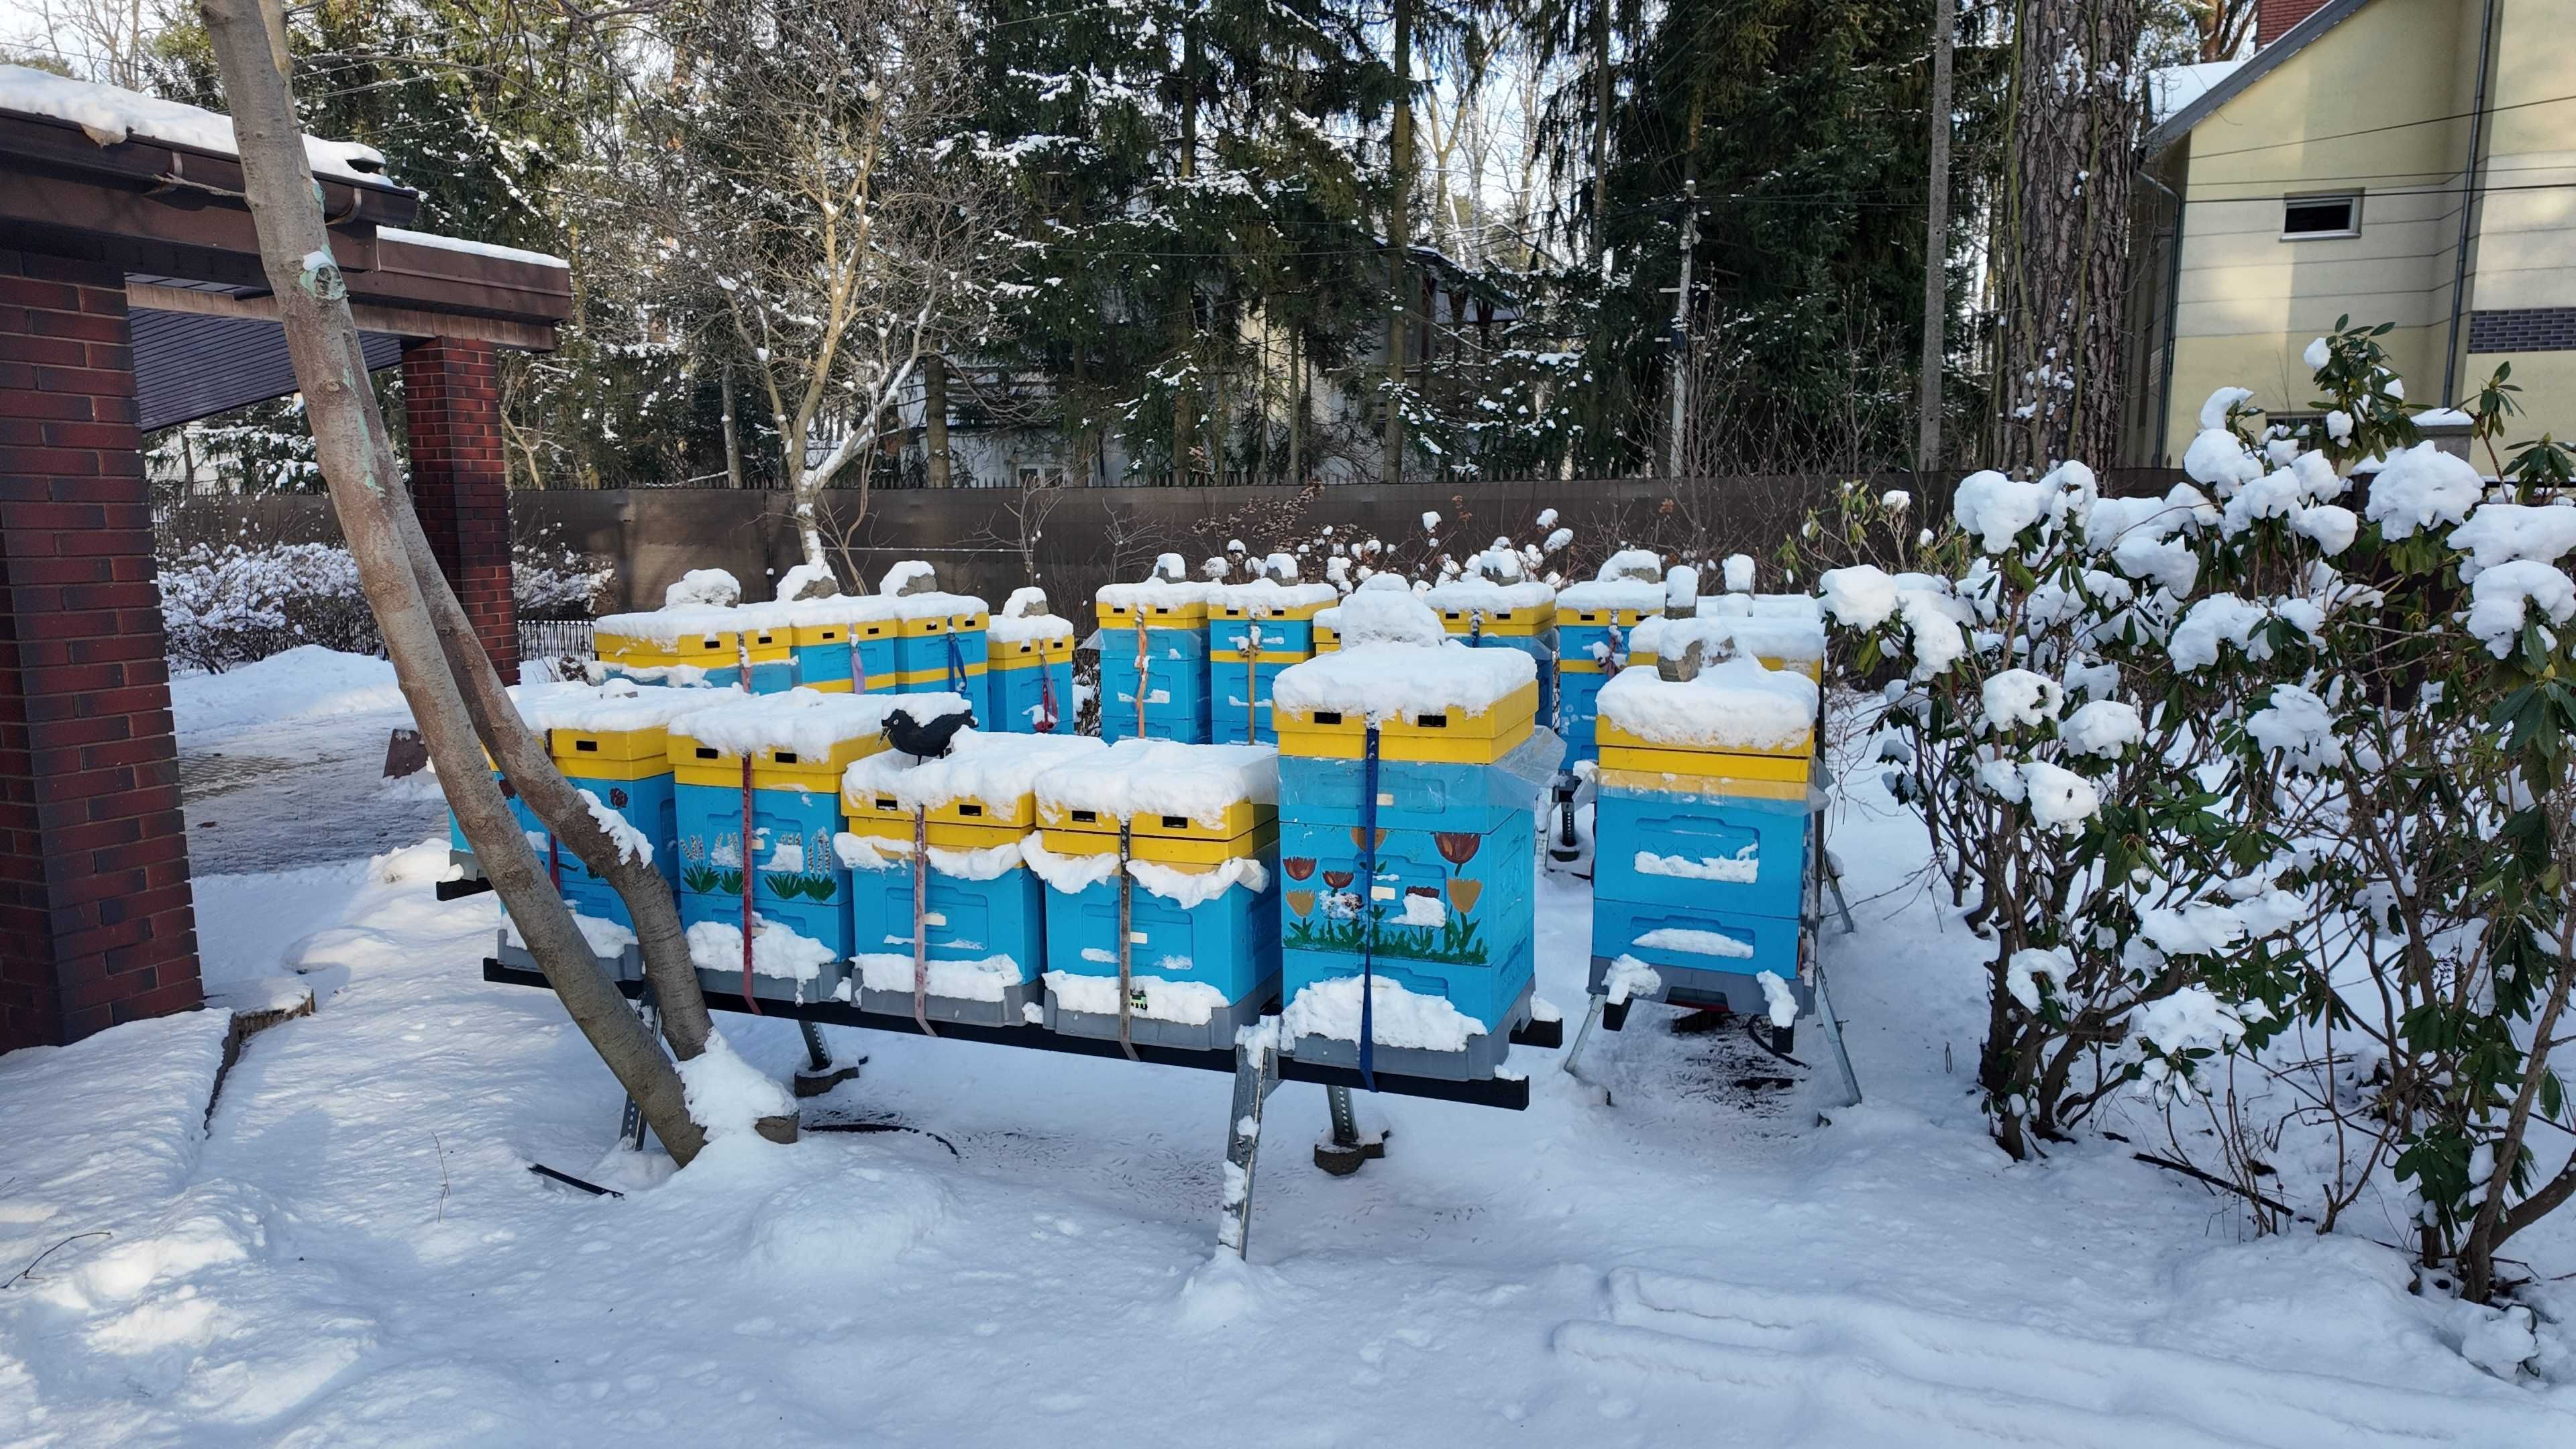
<point>2342,116</point>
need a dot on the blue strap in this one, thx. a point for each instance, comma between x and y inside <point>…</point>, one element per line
<point>956,667</point>
<point>1368,915</point>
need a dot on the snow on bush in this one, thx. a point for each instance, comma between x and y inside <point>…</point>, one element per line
<point>230,603</point>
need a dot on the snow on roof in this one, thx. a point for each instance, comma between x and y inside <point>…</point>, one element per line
<point>1761,606</point>
<point>1157,591</point>
<point>471,248</point>
<point>2172,87</point>
<point>805,720</point>
<point>1765,636</point>
<point>1613,594</point>
<point>110,116</point>
<point>1022,628</point>
<point>1384,681</point>
<point>1161,777</point>
<point>1736,704</point>
<point>1463,594</point>
<point>618,704</point>
<point>978,766</point>
<point>1272,594</point>
<point>667,626</point>
<point>1385,616</point>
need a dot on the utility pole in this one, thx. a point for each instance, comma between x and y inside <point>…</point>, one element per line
<point>1681,325</point>
<point>1681,358</point>
<point>1398,218</point>
<point>733,443</point>
<point>1936,252</point>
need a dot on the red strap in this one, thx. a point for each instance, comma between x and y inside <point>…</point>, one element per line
<point>748,1001</point>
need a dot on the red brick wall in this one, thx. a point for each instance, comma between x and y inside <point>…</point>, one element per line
<point>96,920</point>
<point>460,483</point>
<point>2271,17</point>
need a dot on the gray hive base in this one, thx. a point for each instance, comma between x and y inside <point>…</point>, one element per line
<point>728,984</point>
<point>626,965</point>
<point>1736,991</point>
<point>1216,1033</point>
<point>1483,1057</point>
<point>1011,1010</point>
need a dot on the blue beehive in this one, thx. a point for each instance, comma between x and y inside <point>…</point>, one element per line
<point>1174,685</point>
<point>798,745</point>
<point>1201,883</point>
<point>844,643</point>
<point>1703,851</point>
<point>1154,657</point>
<point>1239,710</point>
<point>1497,608</point>
<point>981,926</point>
<point>1700,848</point>
<point>1424,889</point>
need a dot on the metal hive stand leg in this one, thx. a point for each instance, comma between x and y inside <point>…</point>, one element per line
<point>1256,1076</point>
<point>1348,1149</point>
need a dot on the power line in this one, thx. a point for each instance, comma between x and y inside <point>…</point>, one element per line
<point>2375,130</point>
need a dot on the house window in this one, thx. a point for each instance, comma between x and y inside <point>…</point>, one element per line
<point>2305,218</point>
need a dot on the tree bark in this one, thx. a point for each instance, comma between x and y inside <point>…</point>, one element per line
<point>1936,250</point>
<point>733,440</point>
<point>2075,127</point>
<point>445,676</point>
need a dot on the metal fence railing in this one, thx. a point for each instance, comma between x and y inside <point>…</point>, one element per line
<point>555,639</point>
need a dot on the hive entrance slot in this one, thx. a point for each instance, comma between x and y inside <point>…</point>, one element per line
<point>1086,817</point>
<point>1328,716</point>
<point>785,757</point>
<point>1433,721</point>
<point>970,810</point>
<point>1176,822</point>
<point>707,754</point>
<point>590,745</point>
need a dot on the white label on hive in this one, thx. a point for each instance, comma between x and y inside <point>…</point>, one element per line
<point>933,918</point>
<point>1381,893</point>
<point>1385,799</point>
<point>1135,938</point>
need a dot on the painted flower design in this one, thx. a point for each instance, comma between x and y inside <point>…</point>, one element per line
<point>1359,837</point>
<point>1463,893</point>
<point>1457,846</point>
<point>617,797</point>
<point>1298,866</point>
<point>1302,902</point>
<point>1338,879</point>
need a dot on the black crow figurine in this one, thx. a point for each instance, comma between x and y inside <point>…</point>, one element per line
<point>924,741</point>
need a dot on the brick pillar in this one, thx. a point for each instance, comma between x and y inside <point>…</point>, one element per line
<point>97,925</point>
<point>460,484</point>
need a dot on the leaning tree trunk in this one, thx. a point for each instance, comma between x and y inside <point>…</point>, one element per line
<point>2075,129</point>
<point>426,634</point>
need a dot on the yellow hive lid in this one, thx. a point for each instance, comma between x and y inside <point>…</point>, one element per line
<point>1155,603</point>
<point>810,735</point>
<point>984,779</point>
<point>1521,607</point>
<point>1163,788</point>
<point>1270,599</point>
<point>1733,707</point>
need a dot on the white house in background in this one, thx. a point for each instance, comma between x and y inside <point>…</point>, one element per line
<point>2405,161</point>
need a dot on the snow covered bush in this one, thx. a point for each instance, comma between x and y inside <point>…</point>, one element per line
<point>225,603</point>
<point>2060,762</point>
<point>2409,742</point>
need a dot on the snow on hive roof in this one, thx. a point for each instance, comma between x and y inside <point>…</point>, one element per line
<point>978,766</point>
<point>1160,777</point>
<point>1383,681</point>
<point>1736,704</point>
<point>1272,594</point>
<point>1463,594</point>
<point>110,116</point>
<point>1385,616</point>
<point>830,609</point>
<point>1021,628</point>
<point>668,626</point>
<point>1157,591</point>
<point>804,720</point>
<point>1612,594</point>
<point>1761,606</point>
<point>1768,636</point>
<point>619,704</point>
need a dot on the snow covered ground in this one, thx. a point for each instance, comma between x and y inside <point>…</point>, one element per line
<point>352,1250</point>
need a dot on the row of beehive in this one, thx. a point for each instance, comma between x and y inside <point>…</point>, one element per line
<point>1016,673</point>
<point>1702,839</point>
<point>1196,662</point>
<point>1024,842</point>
